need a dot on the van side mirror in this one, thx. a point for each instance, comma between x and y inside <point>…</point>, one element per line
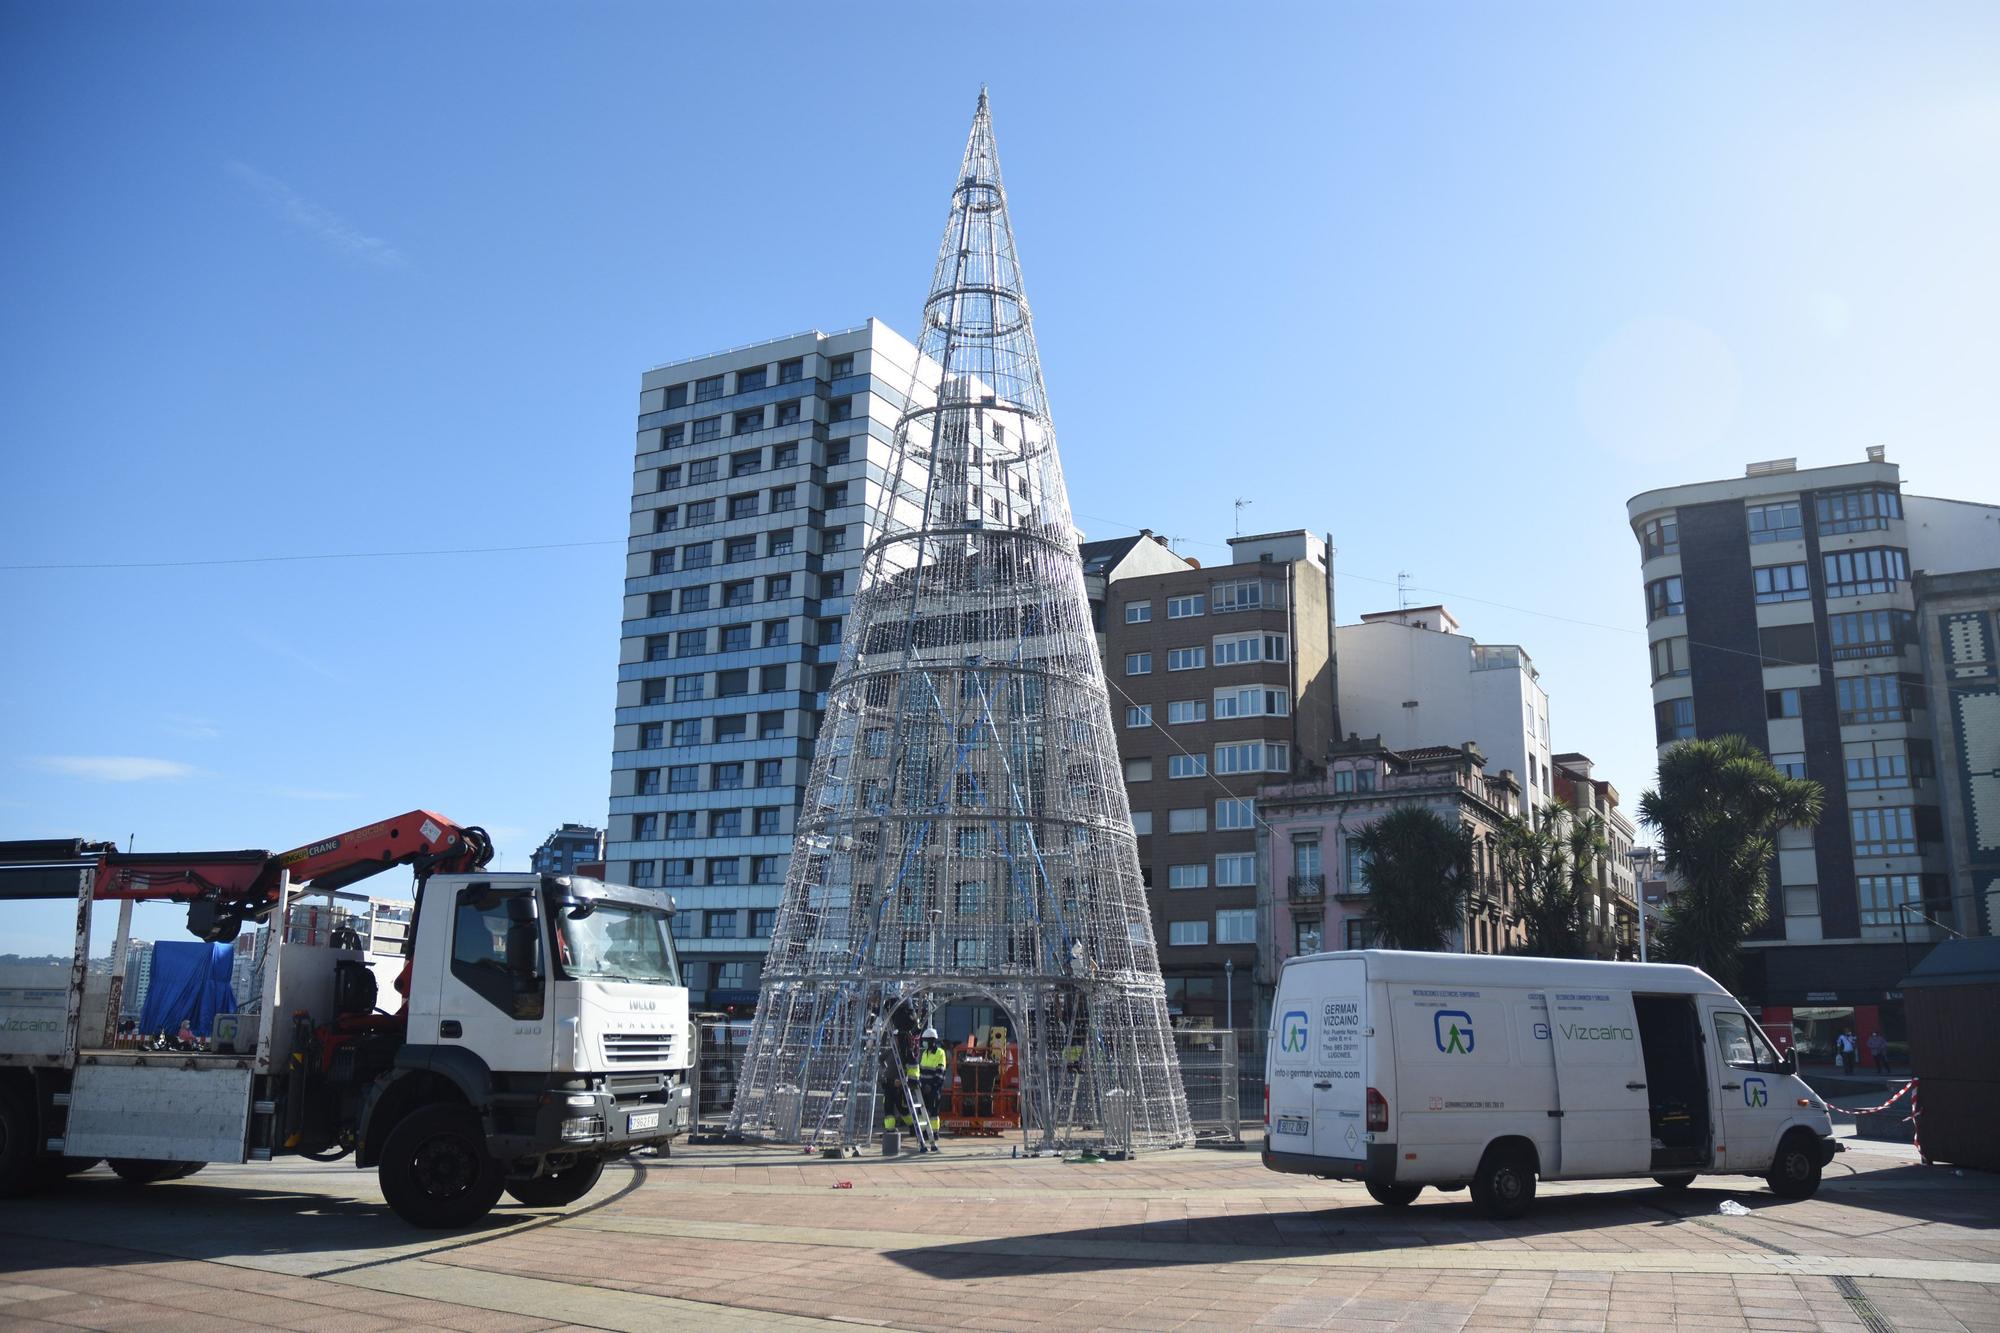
<point>1788,1063</point>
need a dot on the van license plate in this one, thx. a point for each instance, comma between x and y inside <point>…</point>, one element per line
<point>642,1120</point>
<point>1294,1124</point>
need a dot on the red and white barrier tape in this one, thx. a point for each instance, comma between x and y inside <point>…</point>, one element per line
<point>1915,1117</point>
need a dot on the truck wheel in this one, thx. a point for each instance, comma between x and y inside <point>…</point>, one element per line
<point>138,1171</point>
<point>18,1173</point>
<point>1394,1196</point>
<point>1505,1185</point>
<point>559,1187</point>
<point>1794,1171</point>
<point>435,1170</point>
<point>1673,1184</point>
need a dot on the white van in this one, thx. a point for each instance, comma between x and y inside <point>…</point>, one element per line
<point>1410,1069</point>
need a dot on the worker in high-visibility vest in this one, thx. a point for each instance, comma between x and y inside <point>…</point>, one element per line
<point>931,1064</point>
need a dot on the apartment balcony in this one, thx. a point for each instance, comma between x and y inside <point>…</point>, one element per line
<point>1305,888</point>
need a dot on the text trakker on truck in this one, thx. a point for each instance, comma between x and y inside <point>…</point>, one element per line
<point>543,1028</point>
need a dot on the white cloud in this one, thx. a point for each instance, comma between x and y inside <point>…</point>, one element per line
<point>115,767</point>
<point>316,221</point>
<point>193,728</point>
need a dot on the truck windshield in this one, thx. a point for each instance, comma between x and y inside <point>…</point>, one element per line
<point>618,942</point>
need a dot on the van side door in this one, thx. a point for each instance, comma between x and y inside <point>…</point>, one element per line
<point>1750,1087</point>
<point>1600,1084</point>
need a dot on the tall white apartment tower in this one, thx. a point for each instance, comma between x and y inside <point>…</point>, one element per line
<point>755,476</point>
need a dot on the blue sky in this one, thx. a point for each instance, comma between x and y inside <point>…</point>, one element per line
<point>1451,282</point>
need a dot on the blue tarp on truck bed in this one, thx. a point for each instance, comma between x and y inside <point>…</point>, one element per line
<point>190,980</point>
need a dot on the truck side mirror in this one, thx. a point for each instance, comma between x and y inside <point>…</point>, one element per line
<point>523,950</point>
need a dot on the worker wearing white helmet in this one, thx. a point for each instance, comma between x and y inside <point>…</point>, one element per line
<point>931,1066</point>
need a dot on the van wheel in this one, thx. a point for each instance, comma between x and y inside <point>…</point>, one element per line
<point>1673,1184</point>
<point>1394,1196</point>
<point>137,1171</point>
<point>435,1170</point>
<point>1505,1184</point>
<point>1794,1171</point>
<point>562,1186</point>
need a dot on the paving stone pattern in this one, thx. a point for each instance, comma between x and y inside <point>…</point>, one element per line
<point>736,1238</point>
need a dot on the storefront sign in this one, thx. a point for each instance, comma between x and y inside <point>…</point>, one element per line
<point>1822,996</point>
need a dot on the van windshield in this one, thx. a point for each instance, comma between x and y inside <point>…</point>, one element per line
<point>618,942</point>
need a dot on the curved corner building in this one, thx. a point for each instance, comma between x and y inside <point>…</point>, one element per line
<point>965,833</point>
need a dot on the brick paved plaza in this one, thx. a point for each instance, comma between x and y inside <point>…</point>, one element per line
<point>739,1238</point>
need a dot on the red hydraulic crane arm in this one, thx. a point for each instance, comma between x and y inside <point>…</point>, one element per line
<point>230,886</point>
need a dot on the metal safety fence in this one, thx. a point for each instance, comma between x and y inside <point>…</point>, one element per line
<point>1211,1075</point>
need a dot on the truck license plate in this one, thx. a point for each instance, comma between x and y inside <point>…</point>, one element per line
<point>1293,1124</point>
<point>642,1120</point>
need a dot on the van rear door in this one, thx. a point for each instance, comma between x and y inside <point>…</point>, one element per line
<point>1600,1085</point>
<point>1339,1082</point>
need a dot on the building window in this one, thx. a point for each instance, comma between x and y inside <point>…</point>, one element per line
<point>1782,703</point>
<point>679,874</point>
<point>833,539</point>
<point>1875,765</point>
<point>1670,658</point>
<point>726,777</point>
<point>1781,583</point>
<point>753,379</point>
<point>1673,720</point>
<point>1237,925</point>
<point>1187,932</point>
<point>744,506</point>
<point>1245,595</point>
<point>1857,510</point>
<point>703,470</point>
<point>687,731</point>
<point>837,453</point>
<point>1663,598</point>
<point>784,497</point>
<point>649,782</point>
<point>763,920</point>
<point>1186,659</point>
<point>840,367</point>
<point>1235,870</point>
<point>1187,766</point>
<point>718,925</point>
<point>699,556</point>
<point>1788,645</point>
<point>1188,821</point>
<point>680,824</point>
<point>836,495</point>
<point>677,395</point>
<point>694,599</point>
<point>1775,522</point>
<point>1870,699</point>
<point>1187,877</point>
<point>700,512</point>
<point>777,587</point>
<point>1253,757</point>
<point>791,372</point>
<point>777,633</point>
<point>833,585</point>
<point>745,463</point>
<point>739,594</point>
<point>1187,710</point>
<point>725,823</point>
<point>642,873</point>
<point>1142,823</point>
<point>652,736</point>
<point>840,409</point>
<point>1877,569</point>
<point>1235,814</point>
<point>1180,608</point>
<point>670,477</point>
<point>770,725</point>
<point>1659,536</point>
<point>1138,613</point>
<point>1241,648</point>
<point>780,542</point>
<point>684,778</point>
<point>663,562</point>
<point>747,422</point>
<point>1252,701</point>
<point>1884,830</point>
<point>829,631</point>
<point>1791,763</point>
<point>1139,715</point>
<point>1138,664</point>
<point>725,870</point>
<point>708,390</point>
<point>1138,770</point>
<point>674,436</point>
<point>691,643</point>
<point>770,772</point>
<point>765,870</point>
<point>1884,896</point>
<point>1870,633</point>
<point>708,428</point>
<point>660,604</point>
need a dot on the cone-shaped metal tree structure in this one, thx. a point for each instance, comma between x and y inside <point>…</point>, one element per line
<point>965,833</point>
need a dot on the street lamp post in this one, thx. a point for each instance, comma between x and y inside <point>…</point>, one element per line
<point>1229,993</point>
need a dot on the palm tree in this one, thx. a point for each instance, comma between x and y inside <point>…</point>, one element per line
<point>1419,873</point>
<point>1549,867</point>
<point>1718,808</point>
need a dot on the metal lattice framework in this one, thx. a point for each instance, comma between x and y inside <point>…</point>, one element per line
<point>965,833</point>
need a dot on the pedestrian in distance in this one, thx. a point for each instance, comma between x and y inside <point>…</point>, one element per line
<point>1878,1051</point>
<point>1844,1050</point>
